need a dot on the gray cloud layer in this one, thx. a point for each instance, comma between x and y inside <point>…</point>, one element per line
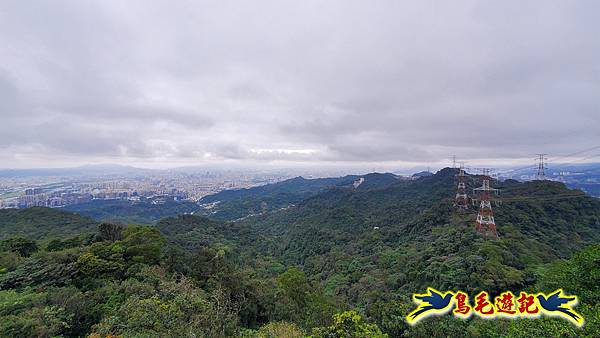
<point>310,81</point>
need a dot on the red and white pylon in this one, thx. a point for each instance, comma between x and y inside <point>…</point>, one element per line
<point>485,223</point>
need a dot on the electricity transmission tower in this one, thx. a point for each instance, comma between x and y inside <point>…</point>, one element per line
<point>485,223</point>
<point>541,166</point>
<point>461,201</point>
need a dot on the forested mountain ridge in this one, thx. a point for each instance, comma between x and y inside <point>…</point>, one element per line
<point>138,212</point>
<point>39,222</point>
<point>236,204</point>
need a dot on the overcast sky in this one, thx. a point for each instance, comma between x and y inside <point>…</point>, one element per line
<point>166,83</point>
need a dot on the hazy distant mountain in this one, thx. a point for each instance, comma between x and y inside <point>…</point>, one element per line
<point>422,174</point>
<point>235,204</point>
<point>376,181</point>
<point>583,176</point>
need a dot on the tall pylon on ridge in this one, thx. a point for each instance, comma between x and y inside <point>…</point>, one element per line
<point>485,223</point>
<point>541,166</point>
<point>461,201</point>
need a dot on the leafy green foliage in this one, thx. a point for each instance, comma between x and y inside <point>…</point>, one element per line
<point>171,308</point>
<point>193,232</point>
<point>349,324</point>
<point>110,232</point>
<point>579,275</point>
<point>42,270</point>
<point>143,244</point>
<point>275,330</point>
<point>23,246</point>
<point>294,285</point>
<point>58,244</point>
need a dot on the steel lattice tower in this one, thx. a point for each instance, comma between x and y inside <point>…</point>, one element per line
<point>461,201</point>
<point>485,223</point>
<point>541,166</point>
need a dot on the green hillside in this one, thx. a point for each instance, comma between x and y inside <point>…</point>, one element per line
<point>139,212</point>
<point>342,262</point>
<point>407,236</point>
<point>38,223</point>
<point>236,204</point>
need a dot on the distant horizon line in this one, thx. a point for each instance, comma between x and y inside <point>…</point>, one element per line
<point>299,165</point>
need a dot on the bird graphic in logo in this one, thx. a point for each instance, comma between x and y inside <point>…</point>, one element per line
<point>558,304</point>
<point>431,303</point>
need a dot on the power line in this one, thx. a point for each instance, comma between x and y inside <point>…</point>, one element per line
<point>554,159</point>
<point>580,159</point>
<point>517,169</point>
<point>542,198</point>
<point>576,153</point>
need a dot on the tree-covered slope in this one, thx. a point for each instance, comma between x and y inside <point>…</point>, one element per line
<point>140,212</point>
<point>374,248</point>
<point>193,232</point>
<point>38,222</point>
<point>407,235</point>
<point>236,204</point>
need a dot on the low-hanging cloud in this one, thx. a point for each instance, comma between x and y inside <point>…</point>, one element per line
<point>301,81</point>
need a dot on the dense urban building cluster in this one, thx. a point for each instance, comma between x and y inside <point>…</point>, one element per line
<point>59,191</point>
